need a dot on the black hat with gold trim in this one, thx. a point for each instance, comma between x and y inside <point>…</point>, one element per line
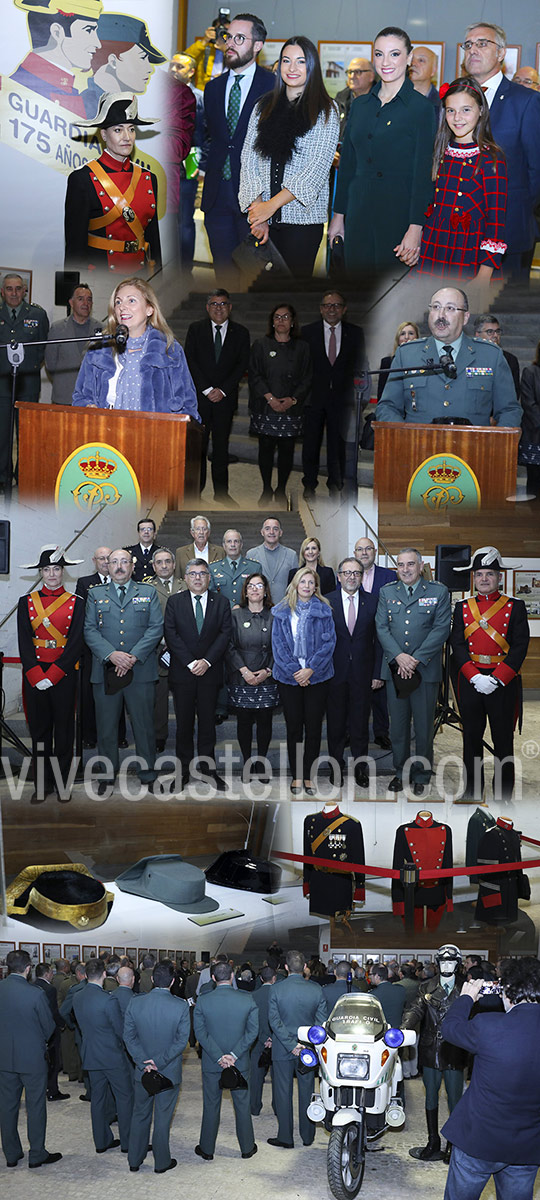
<point>64,893</point>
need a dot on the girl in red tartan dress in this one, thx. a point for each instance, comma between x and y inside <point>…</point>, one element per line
<point>463,234</point>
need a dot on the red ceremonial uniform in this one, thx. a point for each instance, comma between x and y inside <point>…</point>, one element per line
<point>50,629</point>
<point>427,844</point>
<point>464,226</point>
<point>490,635</point>
<point>111,217</point>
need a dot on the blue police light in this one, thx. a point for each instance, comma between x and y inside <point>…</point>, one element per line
<point>308,1057</point>
<point>316,1034</point>
<point>394,1038</point>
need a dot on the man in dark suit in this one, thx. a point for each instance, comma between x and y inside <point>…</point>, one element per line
<point>19,322</point>
<point>338,355</point>
<point>356,673</point>
<point>44,976</point>
<point>104,1057</point>
<point>494,1128</point>
<point>293,1002</point>
<point>391,996</point>
<point>261,996</point>
<point>100,559</point>
<point>228,104</point>
<point>197,630</point>
<point>373,579</point>
<point>217,351</point>
<point>333,992</point>
<point>143,550</point>
<point>166,585</point>
<point>156,1031</point>
<point>26,1024</point>
<point>487,326</point>
<point>226,1024</point>
<point>514,114</point>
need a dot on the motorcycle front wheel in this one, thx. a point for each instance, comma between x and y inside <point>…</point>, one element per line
<point>346,1160</point>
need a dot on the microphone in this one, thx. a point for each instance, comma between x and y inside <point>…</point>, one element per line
<point>449,366</point>
<point>121,336</point>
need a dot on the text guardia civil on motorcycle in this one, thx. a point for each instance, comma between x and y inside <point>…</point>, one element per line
<point>361,1083</point>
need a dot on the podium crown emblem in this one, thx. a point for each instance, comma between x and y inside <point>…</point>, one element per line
<point>97,468</point>
<point>444,474</point>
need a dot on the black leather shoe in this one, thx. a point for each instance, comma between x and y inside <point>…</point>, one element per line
<point>123,744</point>
<point>161,1170</point>
<point>134,1168</point>
<point>361,778</point>
<point>420,789</point>
<point>105,788</point>
<point>200,1152</point>
<point>85,1097</point>
<point>59,1096</point>
<point>112,1146</point>
<point>17,1160</point>
<point>395,785</point>
<point>383,741</point>
<point>250,1153</point>
<point>283,1145</point>
<point>51,1158</point>
<point>160,746</point>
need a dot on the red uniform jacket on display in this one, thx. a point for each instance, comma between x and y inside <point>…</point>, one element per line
<point>498,895</point>
<point>428,844</point>
<point>337,836</point>
<point>111,217</point>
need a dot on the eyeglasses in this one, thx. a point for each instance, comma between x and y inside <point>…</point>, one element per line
<point>449,308</point>
<point>196,574</point>
<point>525,82</point>
<point>350,574</point>
<point>339,305</point>
<point>282,317</point>
<point>256,585</point>
<point>481,43</point>
<point>237,38</point>
<point>218,303</point>
<point>359,71</point>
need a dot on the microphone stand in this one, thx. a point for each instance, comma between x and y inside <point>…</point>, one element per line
<point>15,353</point>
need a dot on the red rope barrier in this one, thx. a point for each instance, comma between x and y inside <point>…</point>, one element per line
<point>391,873</point>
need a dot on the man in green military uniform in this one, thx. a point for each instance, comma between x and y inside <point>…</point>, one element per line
<point>413,623</point>
<point>19,322</point>
<point>294,1001</point>
<point>230,573</point>
<point>123,626</point>
<point>475,382</point>
<point>226,1023</point>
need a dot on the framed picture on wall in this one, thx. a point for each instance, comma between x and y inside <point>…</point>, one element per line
<point>437,48</point>
<point>131,952</point>
<point>527,588</point>
<point>25,274</point>
<point>51,951</point>
<point>153,950</point>
<point>269,54</point>
<point>511,63</point>
<point>335,57</point>
<point>72,952</point>
<point>141,953</point>
<point>5,949</point>
<point>119,950</point>
<point>89,952</point>
<point>33,949</point>
<point>103,950</point>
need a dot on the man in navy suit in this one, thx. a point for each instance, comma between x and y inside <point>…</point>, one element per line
<point>26,1024</point>
<point>43,980</point>
<point>156,1031</point>
<point>333,992</point>
<point>197,629</point>
<point>373,579</point>
<point>355,672</point>
<point>261,997</point>
<point>294,1001</point>
<point>226,129</point>
<point>514,114</point>
<point>338,355</point>
<point>495,1126</point>
<point>104,1057</point>
<point>143,550</point>
<point>226,1023</point>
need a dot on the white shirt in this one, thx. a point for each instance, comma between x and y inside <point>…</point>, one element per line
<point>246,78</point>
<point>201,553</point>
<point>204,602</point>
<point>327,330</point>
<point>223,329</point>
<point>346,606</point>
<point>491,86</point>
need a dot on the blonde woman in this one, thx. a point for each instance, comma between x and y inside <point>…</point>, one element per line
<point>303,640</point>
<point>407,331</point>
<point>144,371</point>
<point>310,556</point>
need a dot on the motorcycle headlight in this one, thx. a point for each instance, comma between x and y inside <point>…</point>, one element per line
<point>353,1066</point>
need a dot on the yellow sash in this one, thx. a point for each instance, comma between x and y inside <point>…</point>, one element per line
<point>482,622</point>
<point>44,617</point>
<point>120,200</point>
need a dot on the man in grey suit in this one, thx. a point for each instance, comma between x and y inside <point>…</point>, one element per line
<point>226,1023</point>
<point>156,1031</point>
<point>261,997</point>
<point>293,1002</point>
<point>476,382</point>
<point>123,626</point>
<point>413,622</point>
<point>104,1057</point>
<point>26,1024</point>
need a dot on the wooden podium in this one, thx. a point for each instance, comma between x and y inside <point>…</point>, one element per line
<point>162,450</point>
<point>489,452</point>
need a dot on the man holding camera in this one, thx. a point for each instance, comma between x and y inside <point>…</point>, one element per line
<point>495,1127</point>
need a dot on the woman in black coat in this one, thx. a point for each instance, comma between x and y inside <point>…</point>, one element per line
<point>252,690</point>
<point>279,384</point>
<point>310,556</point>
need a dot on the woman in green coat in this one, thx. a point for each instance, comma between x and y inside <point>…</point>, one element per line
<point>384,180</point>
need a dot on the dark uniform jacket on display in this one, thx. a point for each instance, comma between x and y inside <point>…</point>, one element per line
<point>498,895</point>
<point>111,217</point>
<point>428,844</point>
<point>426,1015</point>
<point>336,836</point>
<point>478,825</point>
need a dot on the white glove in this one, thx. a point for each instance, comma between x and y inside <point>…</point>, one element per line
<point>485,684</point>
<point>44,684</point>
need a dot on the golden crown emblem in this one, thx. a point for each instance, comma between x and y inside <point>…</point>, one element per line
<point>444,474</point>
<point>97,468</point>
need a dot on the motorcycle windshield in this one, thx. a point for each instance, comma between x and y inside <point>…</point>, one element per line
<point>357,1016</point>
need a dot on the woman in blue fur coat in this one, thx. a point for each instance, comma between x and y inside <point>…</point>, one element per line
<point>148,374</point>
<point>303,640</point>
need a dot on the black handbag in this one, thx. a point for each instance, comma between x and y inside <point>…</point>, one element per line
<point>253,257</point>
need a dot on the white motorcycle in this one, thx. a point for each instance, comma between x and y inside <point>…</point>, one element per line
<point>361,1088</point>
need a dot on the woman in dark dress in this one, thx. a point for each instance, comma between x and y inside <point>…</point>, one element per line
<point>279,384</point>
<point>252,690</point>
<point>310,556</point>
<point>384,179</point>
